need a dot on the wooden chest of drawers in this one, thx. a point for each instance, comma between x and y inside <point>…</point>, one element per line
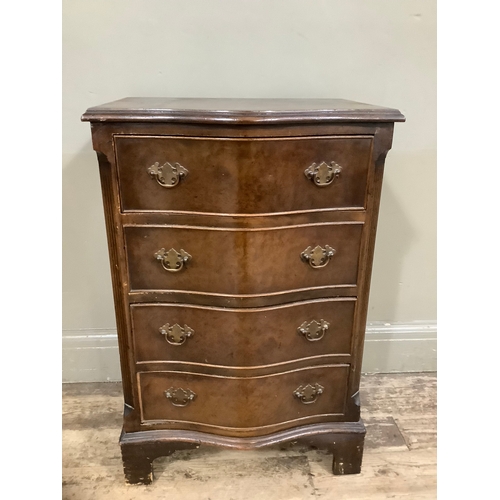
<point>241,237</point>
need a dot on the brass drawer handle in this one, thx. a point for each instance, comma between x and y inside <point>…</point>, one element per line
<point>318,256</point>
<point>179,396</point>
<point>313,330</point>
<point>172,260</point>
<point>167,175</point>
<point>324,173</point>
<point>308,394</point>
<point>176,334</point>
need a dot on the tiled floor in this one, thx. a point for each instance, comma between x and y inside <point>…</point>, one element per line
<point>399,411</point>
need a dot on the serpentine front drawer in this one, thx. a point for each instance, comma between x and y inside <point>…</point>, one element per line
<point>243,262</point>
<point>242,176</point>
<point>243,405</point>
<point>246,337</point>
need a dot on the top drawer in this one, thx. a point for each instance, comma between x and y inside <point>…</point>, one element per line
<point>242,176</point>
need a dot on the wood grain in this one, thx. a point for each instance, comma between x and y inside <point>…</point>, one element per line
<point>239,111</point>
<point>240,406</point>
<point>242,176</point>
<point>219,333</point>
<point>242,262</point>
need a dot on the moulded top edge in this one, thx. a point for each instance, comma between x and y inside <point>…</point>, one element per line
<point>239,111</point>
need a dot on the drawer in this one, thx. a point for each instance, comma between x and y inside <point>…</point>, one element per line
<point>242,262</point>
<point>242,176</point>
<point>242,337</point>
<point>247,403</point>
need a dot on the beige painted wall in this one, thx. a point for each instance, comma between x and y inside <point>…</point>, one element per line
<point>377,51</point>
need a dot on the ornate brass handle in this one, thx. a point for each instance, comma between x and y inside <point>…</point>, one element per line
<point>176,334</point>
<point>179,396</point>
<point>167,175</point>
<point>324,173</point>
<point>313,330</point>
<point>308,394</point>
<point>318,256</point>
<point>172,260</point>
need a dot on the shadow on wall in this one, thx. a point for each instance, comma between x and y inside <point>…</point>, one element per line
<point>87,291</point>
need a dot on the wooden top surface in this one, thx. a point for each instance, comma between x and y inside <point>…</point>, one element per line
<point>239,111</point>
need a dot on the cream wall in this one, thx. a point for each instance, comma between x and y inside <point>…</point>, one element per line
<point>381,52</point>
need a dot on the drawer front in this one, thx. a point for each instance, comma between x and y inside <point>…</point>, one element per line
<point>242,176</point>
<point>251,403</point>
<point>242,337</point>
<point>242,262</point>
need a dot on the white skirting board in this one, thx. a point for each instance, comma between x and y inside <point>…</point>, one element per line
<point>92,355</point>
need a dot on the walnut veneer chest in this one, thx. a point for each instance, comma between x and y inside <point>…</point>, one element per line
<point>241,237</point>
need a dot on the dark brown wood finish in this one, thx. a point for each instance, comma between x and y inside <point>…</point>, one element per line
<point>242,405</point>
<point>248,337</point>
<point>344,440</point>
<point>252,261</point>
<point>239,111</point>
<point>242,175</point>
<point>383,143</point>
<point>242,205</point>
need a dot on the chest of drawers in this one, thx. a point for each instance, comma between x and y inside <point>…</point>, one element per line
<point>241,237</point>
